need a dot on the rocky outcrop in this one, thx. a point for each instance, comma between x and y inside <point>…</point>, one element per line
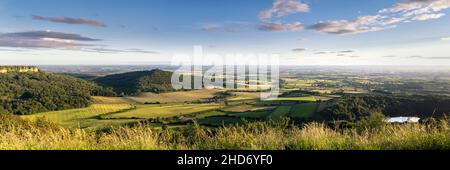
<point>19,69</point>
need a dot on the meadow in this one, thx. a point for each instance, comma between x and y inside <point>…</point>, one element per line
<point>19,134</point>
<point>99,116</point>
<point>173,97</point>
<point>84,117</point>
<point>218,119</point>
<point>176,109</point>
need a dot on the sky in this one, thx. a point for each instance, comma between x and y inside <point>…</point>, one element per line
<point>302,32</point>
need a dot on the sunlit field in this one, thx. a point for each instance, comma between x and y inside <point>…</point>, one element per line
<point>22,134</point>
<point>173,97</point>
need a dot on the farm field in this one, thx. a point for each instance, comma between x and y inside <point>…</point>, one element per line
<point>173,97</point>
<point>219,120</point>
<point>241,96</point>
<point>280,112</point>
<point>84,117</point>
<point>112,100</point>
<point>105,115</point>
<point>245,108</point>
<point>210,114</point>
<point>304,110</point>
<point>251,115</point>
<point>304,99</point>
<point>162,111</point>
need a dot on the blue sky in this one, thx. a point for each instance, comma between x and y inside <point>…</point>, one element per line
<point>303,32</point>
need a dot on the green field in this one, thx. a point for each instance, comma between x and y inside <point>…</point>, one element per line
<point>174,97</point>
<point>163,111</point>
<point>85,117</point>
<point>210,114</point>
<point>112,100</point>
<point>104,115</point>
<point>303,99</point>
<point>242,96</point>
<point>251,115</point>
<point>219,120</point>
<point>245,108</point>
<point>280,112</point>
<point>304,110</point>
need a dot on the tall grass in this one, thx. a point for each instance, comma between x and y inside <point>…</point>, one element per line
<point>16,133</point>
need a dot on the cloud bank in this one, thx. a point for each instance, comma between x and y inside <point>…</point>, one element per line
<point>402,12</point>
<point>281,8</point>
<point>44,39</point>
<point>68,20</point>
<point>57,40</point>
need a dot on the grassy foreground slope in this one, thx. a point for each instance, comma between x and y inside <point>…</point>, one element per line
<point>16,133</point>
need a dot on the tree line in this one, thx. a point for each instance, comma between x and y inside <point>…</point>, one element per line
<point>28,93</point>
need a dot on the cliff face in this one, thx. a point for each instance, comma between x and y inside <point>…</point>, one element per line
<point>19,69</point>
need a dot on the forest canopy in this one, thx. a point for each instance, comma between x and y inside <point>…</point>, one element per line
<point>133,83</point>
<point>33,92</point>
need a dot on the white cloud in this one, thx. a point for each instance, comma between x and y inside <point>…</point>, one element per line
<point>281,8</point>
<point>282,27</point>
<point>210,27</point>
<point>406,11</point>
<point>419,6</point>
<point>418,10</point>
<point>43,39</point>
<point>423,17</point>
<point>284,7</point>
<point>343,27</point>
<point>69,20</point>
<point>445,38</point>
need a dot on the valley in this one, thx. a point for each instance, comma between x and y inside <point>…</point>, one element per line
<point>345,101</point>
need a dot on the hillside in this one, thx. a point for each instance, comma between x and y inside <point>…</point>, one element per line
<point>33,92</point>
<point>133,83</point>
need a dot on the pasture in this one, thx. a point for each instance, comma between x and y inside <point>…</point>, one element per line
<point>174,97</point>
<point>84,117</point>
<point>304,110</point>
<point>281,111</point>
<point>162,111</point>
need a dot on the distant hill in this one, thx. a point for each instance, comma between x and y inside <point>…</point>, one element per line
<point>133,83</point>
<point>32,92</point>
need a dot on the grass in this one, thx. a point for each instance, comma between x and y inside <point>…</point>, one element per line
<point>163,111</point>
<point>251,115</point>
<point>174,97</point>
<point>303,99</point>
<point>210,114</point>
<point>244,108</point>
<point>84,117</point>
<point>280,112</point>
<point>304,110</point>
<point>242,96</point>
<point>219,120</point>
<point>18,134</point>
<point>100,116</point>
<point>112,100</point>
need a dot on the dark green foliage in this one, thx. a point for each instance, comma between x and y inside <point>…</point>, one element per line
<point>27,93</point>
<point>374,121</point>
<point>358,107</point>
<point>132,83</point>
